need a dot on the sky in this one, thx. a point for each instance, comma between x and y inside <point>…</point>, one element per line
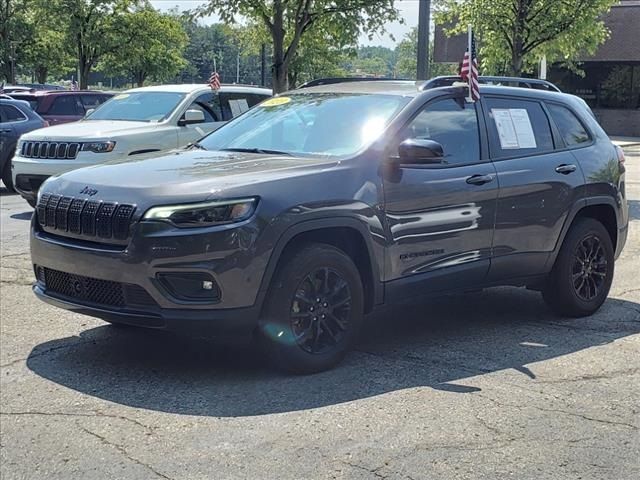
<point>408,11</point>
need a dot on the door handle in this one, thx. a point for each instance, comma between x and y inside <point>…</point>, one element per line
<point>6,130</point>
<point>566,169</point>
<point>479,179</point>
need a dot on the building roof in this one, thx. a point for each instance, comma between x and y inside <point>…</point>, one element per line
<point>623,21</point>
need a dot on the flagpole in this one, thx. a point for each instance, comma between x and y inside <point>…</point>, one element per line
<point>469,79</point>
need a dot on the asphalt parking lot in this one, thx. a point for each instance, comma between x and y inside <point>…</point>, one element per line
<point>485,385</point>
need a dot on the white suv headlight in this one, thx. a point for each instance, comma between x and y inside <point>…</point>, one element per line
<point>98,147</point>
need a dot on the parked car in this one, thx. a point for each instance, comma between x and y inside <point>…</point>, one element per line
<point>16,118</point>
<point>316,207</point>
<point>62,106</point>
<point>132,125</point>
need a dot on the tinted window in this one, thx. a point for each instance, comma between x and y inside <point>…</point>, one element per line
<point>453,123</point>
<point>64,105</point>
<point>517,127</point>
<point>92,101</point>
<point>11,114</point>
<point>233,104</point>
<point>33,101</point>
<point>255,98</point>
<point>204,103</point>
<point>571,129</point>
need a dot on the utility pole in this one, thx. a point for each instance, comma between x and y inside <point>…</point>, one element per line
<point>424,19</point>
<point>263,65</point>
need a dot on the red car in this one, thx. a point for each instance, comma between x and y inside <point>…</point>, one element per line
<point>62,106</point>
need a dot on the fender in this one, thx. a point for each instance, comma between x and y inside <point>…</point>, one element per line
<point>320,224</point>
<point>575,209</point>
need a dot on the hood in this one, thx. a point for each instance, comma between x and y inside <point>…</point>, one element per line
<point>193,175</point>
<point>89,130</point>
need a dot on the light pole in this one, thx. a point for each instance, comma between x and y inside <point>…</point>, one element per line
<point>424,18</point>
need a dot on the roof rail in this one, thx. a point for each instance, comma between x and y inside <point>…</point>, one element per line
<point>521,82</point>
<point>332,80</point>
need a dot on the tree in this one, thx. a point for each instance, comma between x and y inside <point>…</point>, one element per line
<point>407,58</point>
<point>517,33</point>
<point>156,51</point>
<point>289,21</point>
<point>14,32</point>
<point>95,28</point>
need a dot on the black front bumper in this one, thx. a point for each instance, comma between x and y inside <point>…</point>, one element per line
<point>236,322</point>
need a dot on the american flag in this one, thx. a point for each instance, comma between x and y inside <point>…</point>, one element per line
<point>214,81</point>
<point>469,70</point>
<point>74,85</point>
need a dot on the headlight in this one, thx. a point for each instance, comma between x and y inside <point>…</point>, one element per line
<point>204,214</point>
<point>98,147</point>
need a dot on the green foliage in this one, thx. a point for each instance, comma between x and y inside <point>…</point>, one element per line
<point>155,50</point>
<point>514,34</point>
<point>407,59</point>
<point>288,22</point>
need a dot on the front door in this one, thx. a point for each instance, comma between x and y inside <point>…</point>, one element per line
<point>441,217</point>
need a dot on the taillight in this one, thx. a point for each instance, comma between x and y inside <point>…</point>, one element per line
<point>620,153</point>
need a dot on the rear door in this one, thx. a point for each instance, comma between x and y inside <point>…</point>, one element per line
<point>64,109</point>
<point>539,183</point>
<point>441,217</point>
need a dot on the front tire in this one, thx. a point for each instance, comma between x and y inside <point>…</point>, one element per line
<point>314,309</point>
<point>582,275</point>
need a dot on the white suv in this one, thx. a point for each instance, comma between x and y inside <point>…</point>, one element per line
<point>135,124</point>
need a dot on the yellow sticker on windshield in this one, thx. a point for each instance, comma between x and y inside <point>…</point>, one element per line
<point>122,96</point>
<point>275,101</point>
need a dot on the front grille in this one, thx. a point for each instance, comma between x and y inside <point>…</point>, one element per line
<point>87,218</point>
<point>87,290</point>
<point>51,150</point>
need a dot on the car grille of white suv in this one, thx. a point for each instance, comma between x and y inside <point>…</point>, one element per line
<point>50,150</point>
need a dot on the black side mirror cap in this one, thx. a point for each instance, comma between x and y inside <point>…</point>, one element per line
<point>419,151</point>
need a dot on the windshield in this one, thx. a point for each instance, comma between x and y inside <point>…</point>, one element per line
<point>325,124</point>
<point>138,107</point>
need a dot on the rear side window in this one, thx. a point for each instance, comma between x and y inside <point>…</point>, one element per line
<point>233,104</point>
<point>65,105</point>
<point>517,128</point>
<point>34,102</point>
<point>11,114</point>
<point>571,129</point>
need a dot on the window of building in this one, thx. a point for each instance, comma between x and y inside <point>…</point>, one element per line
<point>452,123</point>
<point>571,129</point>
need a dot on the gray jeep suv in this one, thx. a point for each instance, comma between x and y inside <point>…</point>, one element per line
<point>310,210</point>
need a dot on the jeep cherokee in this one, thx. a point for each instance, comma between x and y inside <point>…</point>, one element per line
<point>305,213</point>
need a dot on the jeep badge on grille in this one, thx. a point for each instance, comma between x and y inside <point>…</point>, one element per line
<point>89,191</point>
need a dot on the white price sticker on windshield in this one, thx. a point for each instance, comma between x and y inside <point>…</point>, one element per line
<point>514,128</point>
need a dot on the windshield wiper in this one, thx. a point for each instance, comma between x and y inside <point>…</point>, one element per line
<point>196,145</point>
<point>256,150</point>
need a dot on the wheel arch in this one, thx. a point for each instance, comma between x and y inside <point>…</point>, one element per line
<point>602,209</point>
<point>347,234</point>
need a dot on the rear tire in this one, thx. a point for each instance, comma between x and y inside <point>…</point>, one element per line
<point>582,274</point>
<point>314,309</point>
<point>6,175</point>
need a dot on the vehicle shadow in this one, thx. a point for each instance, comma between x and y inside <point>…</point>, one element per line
<point>634,209</point>
<point>437,344</point>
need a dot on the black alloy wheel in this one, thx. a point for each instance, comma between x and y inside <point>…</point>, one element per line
<point>589,268</point>
<point>320,311</point>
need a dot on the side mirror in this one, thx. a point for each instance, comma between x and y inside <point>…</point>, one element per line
<point>191,116</point>
<point>418,151</point>
<point>89,112</point>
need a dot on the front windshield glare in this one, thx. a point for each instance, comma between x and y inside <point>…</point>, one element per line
<point>138,107</point>
<point>309,124</point>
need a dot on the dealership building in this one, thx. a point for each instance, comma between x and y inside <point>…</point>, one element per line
<point>611,80</point>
